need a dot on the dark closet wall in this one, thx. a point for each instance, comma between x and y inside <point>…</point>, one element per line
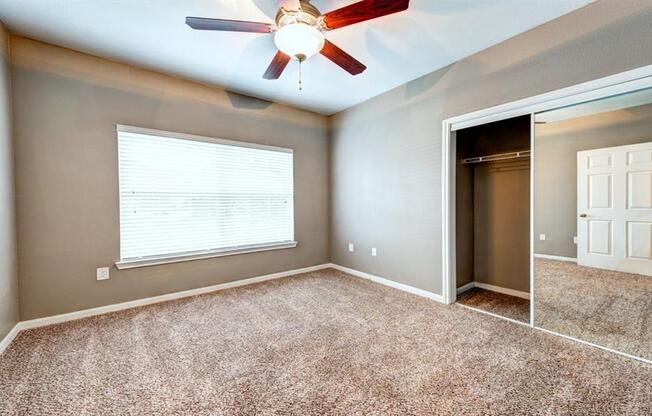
<point>493,206</point>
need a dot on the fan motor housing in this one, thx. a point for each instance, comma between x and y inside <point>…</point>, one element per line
<point>307,14</point>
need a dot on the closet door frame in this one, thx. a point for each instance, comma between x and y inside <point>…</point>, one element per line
<point>621,83</point>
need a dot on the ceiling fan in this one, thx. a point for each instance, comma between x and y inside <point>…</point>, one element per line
<point>299,30</point>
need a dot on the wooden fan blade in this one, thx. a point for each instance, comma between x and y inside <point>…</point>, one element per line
<point>289,4</point>
<point>343,59</point>
<point>275,69</point>
<point>204,23</point>
<point>363,10</point>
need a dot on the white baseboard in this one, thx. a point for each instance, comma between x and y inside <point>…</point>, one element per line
<point>85,313</point>
<point>34,323</point>
<point>504,290</point>
<point>55,319</point>
<point>72,316</point>
<point>466,287</point>
<point>9,337</point>
<point>493,288</point>
<point>559,258</point>
<point>390,283</point>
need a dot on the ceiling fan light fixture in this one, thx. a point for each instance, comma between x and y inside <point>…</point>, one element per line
<point>299,40</point>
<point>298,31</point>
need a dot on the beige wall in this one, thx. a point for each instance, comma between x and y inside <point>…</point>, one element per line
<point>8,278</point>
<point>67,105</point>
<point>557,145</point>
<point>386,152</point>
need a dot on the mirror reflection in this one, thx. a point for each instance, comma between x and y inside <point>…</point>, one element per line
<point>593,222</point>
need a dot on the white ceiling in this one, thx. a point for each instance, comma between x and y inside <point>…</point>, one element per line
<point>396,49</point>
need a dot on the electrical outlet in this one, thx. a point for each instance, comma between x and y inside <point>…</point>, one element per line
<point>542,237</point>
<point>103,273</point>
<point>575,240</point>
<point>351,248</point>
<point>374,253</point>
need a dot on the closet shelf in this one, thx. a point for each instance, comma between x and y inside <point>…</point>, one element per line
<point>523,154</point>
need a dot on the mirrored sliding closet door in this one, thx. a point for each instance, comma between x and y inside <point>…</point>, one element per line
<point>593,222</point>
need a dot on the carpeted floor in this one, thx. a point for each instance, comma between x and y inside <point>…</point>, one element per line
<point>504,305</point>
<point>319,343</point>
<point>607,308</point>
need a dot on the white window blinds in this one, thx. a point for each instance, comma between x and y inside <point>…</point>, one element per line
<point>183,196</point>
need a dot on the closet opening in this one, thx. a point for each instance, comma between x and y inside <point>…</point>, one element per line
<point>492,217</point>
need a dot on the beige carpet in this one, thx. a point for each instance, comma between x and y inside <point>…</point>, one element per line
<point>607,308</point>
<point>320,343</point>
<point>504,305</point>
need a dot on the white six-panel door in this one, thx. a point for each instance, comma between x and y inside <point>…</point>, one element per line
<point>614,203</point>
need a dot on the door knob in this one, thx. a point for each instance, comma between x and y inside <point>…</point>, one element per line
<point>583,215</point>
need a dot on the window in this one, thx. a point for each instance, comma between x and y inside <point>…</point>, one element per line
<point>191,197</point>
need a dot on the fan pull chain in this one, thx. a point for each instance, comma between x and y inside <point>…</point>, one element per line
<point>300,57</point>
<point>300,76</point>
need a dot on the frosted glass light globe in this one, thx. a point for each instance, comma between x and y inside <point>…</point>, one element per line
<point>299,40</point>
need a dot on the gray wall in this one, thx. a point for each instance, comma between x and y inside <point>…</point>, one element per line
<point>385,157</point>
<point>8,278</point>
<point>386,152</point>
<point>556,146</point>
<point>66,107</point>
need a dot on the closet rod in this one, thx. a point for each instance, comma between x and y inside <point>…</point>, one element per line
<point>501,156</point>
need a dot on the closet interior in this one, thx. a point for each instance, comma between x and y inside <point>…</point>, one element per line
<point>493,217</point>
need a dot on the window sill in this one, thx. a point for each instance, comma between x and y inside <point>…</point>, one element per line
<point>155,261</point>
